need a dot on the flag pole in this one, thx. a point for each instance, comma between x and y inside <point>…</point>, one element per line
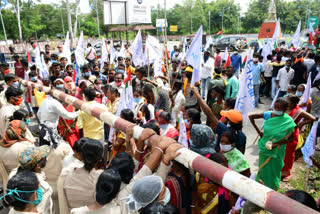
<point>166,58</point>
<point>148,62</point>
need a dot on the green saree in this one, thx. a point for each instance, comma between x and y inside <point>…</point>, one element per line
<point>271,161</point>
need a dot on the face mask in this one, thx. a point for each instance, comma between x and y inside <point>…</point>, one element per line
<point>27,122</point>
<point>225,148</point>
<point>18,102</point>
<point>96,72</point>
<point>118,84</point>
<point>255,59</point>
<point>136,100</point>
<point>121,71</point>
<point>186,122</point>
<point>15,84</point>
<point>15,194</point>
<point>299,93</point>
<point>167,197</point>
<point>318,68</point>
<point>60,86</point>
<point>287,67</point>
<point>279,113</point>
<point>86,74</point>
<point>163,126</point>
<point>137,81</point>
<point>34,79</point>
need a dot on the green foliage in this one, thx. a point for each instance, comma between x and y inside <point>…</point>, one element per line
<point>44,20</point>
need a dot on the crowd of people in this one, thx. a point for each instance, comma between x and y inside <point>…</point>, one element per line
<point>75,163</point>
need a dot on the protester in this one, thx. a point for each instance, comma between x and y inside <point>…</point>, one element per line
<point>301,118</point>
<point>90,54</point>
<point>24,193</point>
<point>278,130</point>
<point>14,99</point>
<point>91,126</point>
<point>284,77</point>
<point>257,78</point>
<point>207,65</point>
<point>233,83</point>
<point>118,82</point>
<point>236,61</point>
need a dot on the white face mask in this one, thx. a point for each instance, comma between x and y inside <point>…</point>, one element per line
<point>167,197</point>
<point>225,148</point>
<point>255,59</point>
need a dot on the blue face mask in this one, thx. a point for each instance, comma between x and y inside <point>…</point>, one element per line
<point>186,122</point>
<point>136,100</point>
<point>299,93</point>
<point>86,74</point>
<point>121,71</point>
<point>318,68</point>
<point>60,86</point>
<point>15,194</point>
<point>15,84</point>
<point>27,122</point>
<point>163,126</point>
<point>34,79</point>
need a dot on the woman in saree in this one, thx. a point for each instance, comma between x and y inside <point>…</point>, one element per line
<point>301,118</point>
<point>278,130</point>
<point>67,129</point>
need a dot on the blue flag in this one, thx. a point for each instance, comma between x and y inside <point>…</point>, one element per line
<point>193,56</point>
<point>245,99</point>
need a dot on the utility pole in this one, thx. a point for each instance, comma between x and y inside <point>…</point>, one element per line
<point>166,22</point>
<point>157,18</point>
<point>191,21</point>
<point>4,28</point>
<point>222,19</point>
<point>98,19</point>
<point>69,21</point>
<point>209,22</point>
<point>62,22</point>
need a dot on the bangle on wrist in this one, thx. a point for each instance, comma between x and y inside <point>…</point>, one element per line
<point>159,149</point>
<point>140,152</point>
<point>167,164</point>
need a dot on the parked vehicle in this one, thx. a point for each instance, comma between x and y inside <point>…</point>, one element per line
<point>233,43</point>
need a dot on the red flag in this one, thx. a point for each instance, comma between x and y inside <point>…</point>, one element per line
<point>128,77</point>
<point>310,39</point>
<point>29,58</point>
<point>228,62</point>
<point>219,33</point>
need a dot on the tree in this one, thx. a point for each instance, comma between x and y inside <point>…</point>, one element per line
<point>17,6</point>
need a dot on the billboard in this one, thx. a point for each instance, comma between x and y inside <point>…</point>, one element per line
<point>119,12</point>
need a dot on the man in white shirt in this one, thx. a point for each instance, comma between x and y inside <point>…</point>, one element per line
<point>268,76</point>
<point>118,82</point>
<point>49,112</point>
<point>284,77</point>
<point>14,99</point>
<point>207,66</point>
<point>309,61</point>
<point>90,54</point>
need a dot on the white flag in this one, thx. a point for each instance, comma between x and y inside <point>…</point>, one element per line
<point>126,102</point>
<point>245,99</point>
<point>79,53</point>
<point>152,49</point>
<point>310,145</point>
<point>183,139</point>
<point>66,49</point>
<point>122,50</point>
<point>225,55</point>
<point>193,56</point>
<point>277,32</point>
<point>311,28</point>
<point>43,72</point>
<point>296,37</point>
<point>104,54</point>
<point>137,52</point>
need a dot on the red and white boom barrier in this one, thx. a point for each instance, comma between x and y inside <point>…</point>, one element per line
<point>255,192</point>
